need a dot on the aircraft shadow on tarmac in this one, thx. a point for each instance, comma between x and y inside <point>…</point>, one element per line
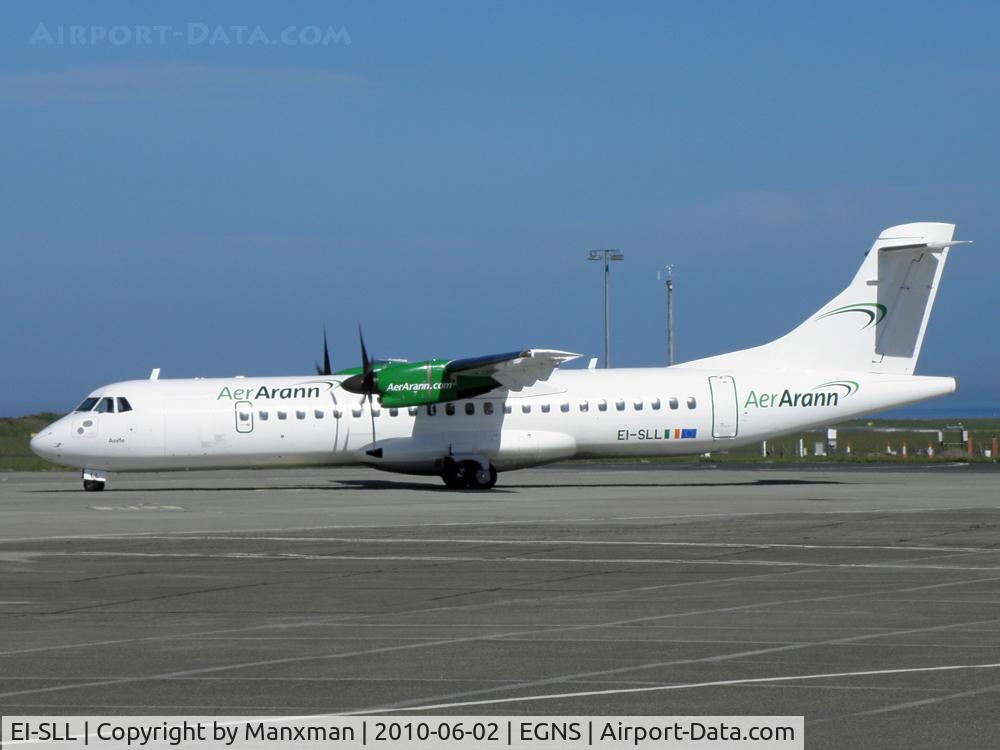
<point>388,484</point>
<point>335,485</point>
<point>753,483</point>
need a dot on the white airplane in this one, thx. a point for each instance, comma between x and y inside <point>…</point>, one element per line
<point>467,419</point>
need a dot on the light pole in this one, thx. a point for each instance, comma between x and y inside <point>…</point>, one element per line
<point>606,255</point>
<point>668,274</point>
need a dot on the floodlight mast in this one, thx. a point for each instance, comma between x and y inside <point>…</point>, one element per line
<point>668,274</point>
<point>606,254</point>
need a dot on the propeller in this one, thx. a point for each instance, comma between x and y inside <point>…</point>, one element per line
<point>325,369</point>
<point>364,383</point>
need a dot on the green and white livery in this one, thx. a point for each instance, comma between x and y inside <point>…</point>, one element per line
<point>468,419</point>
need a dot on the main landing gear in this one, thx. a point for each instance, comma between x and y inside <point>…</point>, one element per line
<point>468,475</point>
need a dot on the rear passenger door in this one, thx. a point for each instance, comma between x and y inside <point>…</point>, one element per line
<point>725,411</point>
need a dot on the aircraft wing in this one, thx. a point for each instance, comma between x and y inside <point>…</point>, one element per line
<point>514,370</point>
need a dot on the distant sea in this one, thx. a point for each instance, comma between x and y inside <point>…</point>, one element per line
<point>945,408</point>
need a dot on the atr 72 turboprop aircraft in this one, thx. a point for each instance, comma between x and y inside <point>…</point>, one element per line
<point>467,419</point>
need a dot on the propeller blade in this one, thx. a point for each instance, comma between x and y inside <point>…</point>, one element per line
<point>325,368</point>
<point>368,377</point>
<point>366,364</point>
<point>366,381</point>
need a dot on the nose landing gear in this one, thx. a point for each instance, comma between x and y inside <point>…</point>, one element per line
<point>93,480</point>
<point>468,475</point>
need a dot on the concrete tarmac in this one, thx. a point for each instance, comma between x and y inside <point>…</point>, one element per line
<point>865,599</point>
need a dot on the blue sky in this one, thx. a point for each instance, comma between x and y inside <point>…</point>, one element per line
<point>439,171</point>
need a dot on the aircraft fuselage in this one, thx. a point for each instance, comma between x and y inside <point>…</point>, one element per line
<point>312,421</point>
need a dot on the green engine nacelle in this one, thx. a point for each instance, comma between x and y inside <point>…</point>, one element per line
<point>402,384</point>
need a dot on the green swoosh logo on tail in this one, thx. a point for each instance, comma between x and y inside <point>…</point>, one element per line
<point>874,311</point>
<point>850,386</point>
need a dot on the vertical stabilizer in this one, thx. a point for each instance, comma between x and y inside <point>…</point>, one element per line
<point>876,324</point>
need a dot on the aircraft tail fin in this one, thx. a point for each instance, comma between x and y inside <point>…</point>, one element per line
<point>877,323</point>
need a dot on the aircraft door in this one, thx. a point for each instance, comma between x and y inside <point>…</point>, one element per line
<point>341,424</point>
<point>725,409</point>
<point>244,416</point>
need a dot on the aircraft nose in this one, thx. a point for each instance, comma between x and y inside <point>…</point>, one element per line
<point>44,443</point>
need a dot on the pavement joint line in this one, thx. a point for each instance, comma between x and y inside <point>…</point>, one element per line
<point>472,639</point>
<point>913,704</point>
<point>683,686</point>
<point>511,559</point>
<point>581,542</point>
<point>449,524</point>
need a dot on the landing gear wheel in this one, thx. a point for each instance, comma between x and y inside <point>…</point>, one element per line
<point>453,481</point>
<point>456,475</point>
<point>92,485</point>
<point>468,475</point>
<point>482,479</point>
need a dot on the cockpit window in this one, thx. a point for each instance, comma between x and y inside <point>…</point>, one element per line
<point>123,405</point>
<point>88,403</point>
<point>106,406</point>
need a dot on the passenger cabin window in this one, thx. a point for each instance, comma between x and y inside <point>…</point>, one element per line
<point>637,405</point>
<point>449,409</point>
<point>263,416</point>
<point>620,405</point>
<point>487,407</point>
<point>432,410</point>
<point>282,415</point>
<point>526,408</point>
<point>584,406</point>
<point>507,408</point>
<point>564,406</point>
<point>337,413</point>
<point>244,416</point>
<point>106,406</point>
<point>356,412</point>
<point>654,404</point>
<point>88,404</point>
<point>394,412</point>
<point>470,408</point>
<point>673,403</point>
<point>545,408</point>
<point>300,415</point>
<point>123,405</point>
<point>602,405</point>
<point>412,411</point>
<point>319,413</point>
<point>376,412</point>
<point>692,404</point>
